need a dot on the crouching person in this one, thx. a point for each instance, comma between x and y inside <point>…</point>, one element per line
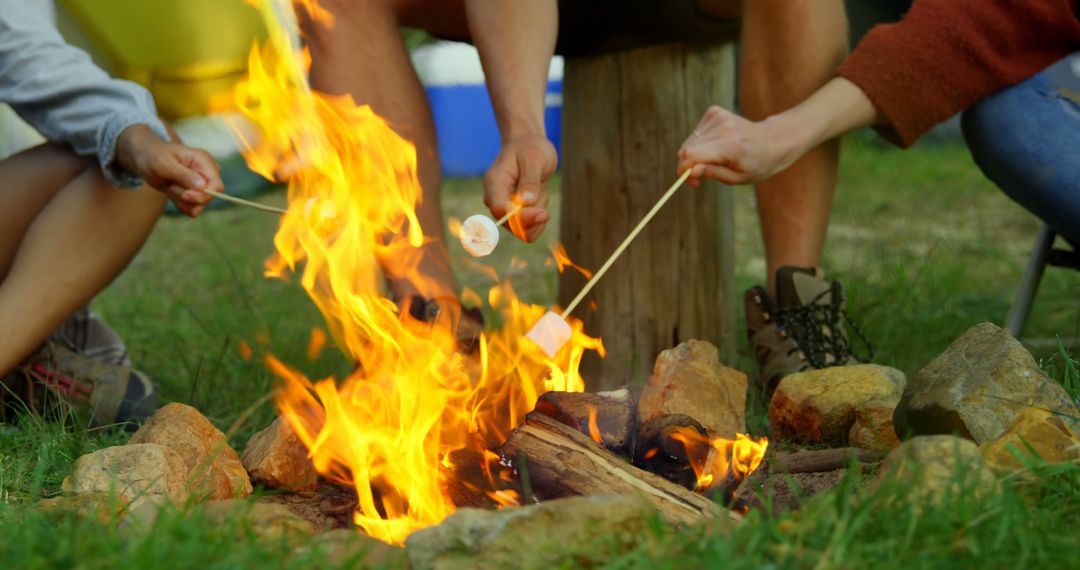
<point>73,213</point>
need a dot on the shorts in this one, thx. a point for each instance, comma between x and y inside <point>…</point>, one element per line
<point>598,26</point>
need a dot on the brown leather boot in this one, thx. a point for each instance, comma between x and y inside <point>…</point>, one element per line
<point>803,329</point>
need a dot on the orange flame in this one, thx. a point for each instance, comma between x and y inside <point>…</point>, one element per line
<point>722,459</point>
<point>562,261</point>
<point>389,428</point>
<point>594,430</point>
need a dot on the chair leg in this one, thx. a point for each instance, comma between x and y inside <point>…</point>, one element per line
<point>1029,283</point>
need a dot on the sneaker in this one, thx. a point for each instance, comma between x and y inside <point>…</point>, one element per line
<point>110,394</point>
<point>803,329</point>
<point>470,323</point>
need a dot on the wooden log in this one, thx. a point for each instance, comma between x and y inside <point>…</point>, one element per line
<point>660,453</point>
<point>610,414</point>
<point>563,462</point>
<point>819,460</point>
<point>624,117</point>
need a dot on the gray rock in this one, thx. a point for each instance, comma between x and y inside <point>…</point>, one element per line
<point>573,532</point>
<point>690,380</point>
<point>353,549</point>
<point>977,388</point>
<point>831,405</point>
<point>129,472</point>
<point>933,467</point>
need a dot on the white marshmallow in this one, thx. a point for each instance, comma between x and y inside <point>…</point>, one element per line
<point>479,235</point>
<point>550,333</point>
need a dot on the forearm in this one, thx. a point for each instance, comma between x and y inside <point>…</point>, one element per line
<point>516,40</point>
<point>838,107</point>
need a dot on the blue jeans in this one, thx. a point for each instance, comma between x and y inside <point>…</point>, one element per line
<point>1026,138</point>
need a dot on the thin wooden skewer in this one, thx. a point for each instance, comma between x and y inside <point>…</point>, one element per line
<point>509,215</point>
<point>626,242</point>
<point>243,202</point>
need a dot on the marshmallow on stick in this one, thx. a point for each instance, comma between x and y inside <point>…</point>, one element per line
<point>480,234</point>
<point>552,332</point>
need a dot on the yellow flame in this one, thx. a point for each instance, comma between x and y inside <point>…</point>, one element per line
<point>390,427</point>
<point>719,459</point>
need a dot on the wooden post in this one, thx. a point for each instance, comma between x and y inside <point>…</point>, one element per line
<point>624,117</point>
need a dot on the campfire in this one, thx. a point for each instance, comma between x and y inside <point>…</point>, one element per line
<point>421,427</point>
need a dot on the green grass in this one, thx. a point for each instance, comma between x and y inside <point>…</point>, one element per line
<point>924,246</point>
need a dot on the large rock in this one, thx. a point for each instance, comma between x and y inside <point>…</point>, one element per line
<point>99,507</point>
<point>613,413</point>
<point>347,548</point>
<point>256,521</point>
<point>689,379</point>
<point>934,467</point>
<point>130,472</point>
<point>977,388</point>
<point>1034,431</point>
<point>831,405</point>
<point>216,471</point>
<point>276,457</point>
<point>574,532</point>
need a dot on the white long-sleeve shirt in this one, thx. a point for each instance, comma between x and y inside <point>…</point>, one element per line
<point>58,90</point>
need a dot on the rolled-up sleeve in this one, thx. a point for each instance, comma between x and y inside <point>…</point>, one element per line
<point>58,90</point>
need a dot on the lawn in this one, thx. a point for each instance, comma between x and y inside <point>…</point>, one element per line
<point>924,246</point>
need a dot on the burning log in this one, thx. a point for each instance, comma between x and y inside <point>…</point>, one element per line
<point>561,462</point>
<point>607,417</point>
<point>661,451</point>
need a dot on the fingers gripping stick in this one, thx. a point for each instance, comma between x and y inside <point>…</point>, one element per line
<point>480,235</point>
<point>552,331</point>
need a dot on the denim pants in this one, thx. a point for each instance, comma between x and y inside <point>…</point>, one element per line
<point>1026,138</point>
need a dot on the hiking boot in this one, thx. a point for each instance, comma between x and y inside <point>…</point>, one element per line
<point>470,322</point>
<point>804,328</point>
<point>86,333</point>
<point>109,393</point>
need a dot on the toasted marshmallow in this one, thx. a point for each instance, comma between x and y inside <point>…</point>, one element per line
<point>479,235</point>
<point>550,333</point>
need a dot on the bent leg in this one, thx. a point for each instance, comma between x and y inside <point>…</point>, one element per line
<point>363,55</point>
<point>76,244</point>
<point>31,179</point>
<point>789,49</point>
<point>1026,139</point>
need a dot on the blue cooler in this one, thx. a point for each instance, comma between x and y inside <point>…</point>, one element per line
<point>465,126</point>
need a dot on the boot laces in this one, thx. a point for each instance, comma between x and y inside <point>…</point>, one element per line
<point>818,330</point>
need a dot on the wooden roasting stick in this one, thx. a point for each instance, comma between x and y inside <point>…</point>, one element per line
<point>819,460</point>
<point>563,462</point>
<point>243,202</point>
<point>626,243</point>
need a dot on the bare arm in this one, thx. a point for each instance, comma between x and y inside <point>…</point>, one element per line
<point>731,149</point>
<point>516,40</point>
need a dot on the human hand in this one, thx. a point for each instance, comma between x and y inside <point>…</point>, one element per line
<point>734,150</point>
<point>517,178</point>
<point>180,172</point>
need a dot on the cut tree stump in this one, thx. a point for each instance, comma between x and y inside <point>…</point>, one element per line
<point>563,462</point>
<point>624,117</point>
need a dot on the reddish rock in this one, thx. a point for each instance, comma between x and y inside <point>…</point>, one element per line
<point>690,380</point>
<point>839,403</point>
<point>215,469</point>
<point>275,457</point>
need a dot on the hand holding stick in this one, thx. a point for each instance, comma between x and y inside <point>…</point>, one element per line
<point>552,331</point>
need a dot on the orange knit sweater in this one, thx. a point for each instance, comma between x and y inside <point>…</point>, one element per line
<point>945,55</point>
